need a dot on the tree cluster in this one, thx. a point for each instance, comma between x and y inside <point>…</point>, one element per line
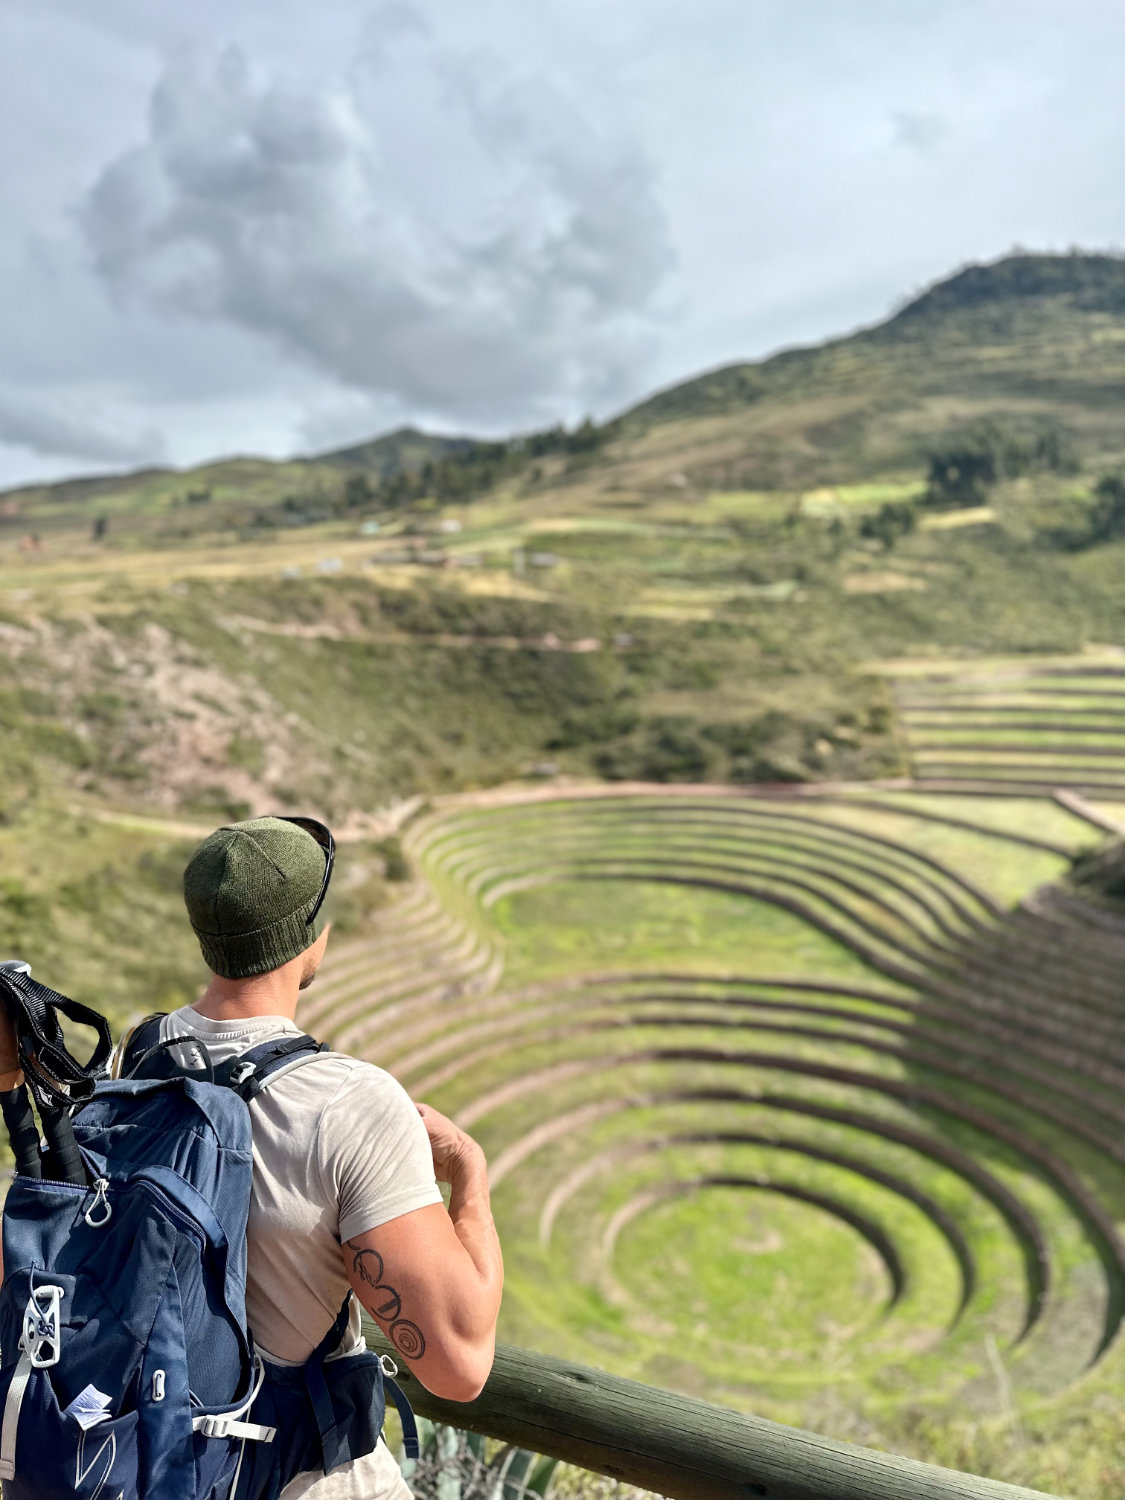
<point>472,472</point>
<point>964,466</point>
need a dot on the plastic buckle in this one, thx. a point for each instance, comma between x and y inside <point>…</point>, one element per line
<point>216,1427</point>
<point>244,1071</point>
<point>390,1369</point>
<point>42,1327</point>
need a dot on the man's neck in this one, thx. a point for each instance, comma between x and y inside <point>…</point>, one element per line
<point>273,994</point>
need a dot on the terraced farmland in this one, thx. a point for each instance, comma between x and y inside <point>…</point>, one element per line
<point>788,1102</point>
<point>1015,728</point>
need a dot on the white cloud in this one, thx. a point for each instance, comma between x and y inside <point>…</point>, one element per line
<point>429,228</point>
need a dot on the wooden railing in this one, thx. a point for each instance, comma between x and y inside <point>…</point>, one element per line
<point>675,1445</point>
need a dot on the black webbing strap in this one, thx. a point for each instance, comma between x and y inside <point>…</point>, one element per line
<point>56,1079</point>
<point>53,1077</point>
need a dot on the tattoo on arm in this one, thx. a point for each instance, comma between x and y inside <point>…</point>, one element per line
<point>386,1303</point>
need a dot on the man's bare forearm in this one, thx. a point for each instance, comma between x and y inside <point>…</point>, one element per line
<point>471,1213</point>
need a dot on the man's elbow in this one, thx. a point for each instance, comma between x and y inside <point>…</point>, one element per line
<point>462,1378</point>
<point>458,1387</point>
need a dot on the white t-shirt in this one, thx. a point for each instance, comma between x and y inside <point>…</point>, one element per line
<point>338,1149</point>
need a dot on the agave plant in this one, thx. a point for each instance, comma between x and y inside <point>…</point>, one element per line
<point>453,1465</point>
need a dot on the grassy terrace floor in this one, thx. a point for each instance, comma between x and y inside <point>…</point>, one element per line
<point>806,1104</point>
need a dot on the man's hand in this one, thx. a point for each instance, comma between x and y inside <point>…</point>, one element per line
<point>11,1074</point>
<point>452,1149</point>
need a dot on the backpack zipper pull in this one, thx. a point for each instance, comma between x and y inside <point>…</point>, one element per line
<point>100,1199</point>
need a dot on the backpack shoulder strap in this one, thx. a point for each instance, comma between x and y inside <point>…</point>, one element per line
<point>248,1073</point>
<point>134,1044</point>
<point>251,1072</point>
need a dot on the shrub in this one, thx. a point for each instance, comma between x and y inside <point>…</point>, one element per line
<point>669,749</point>
<point>396,866</point>
<point>1101,870</point>
<point>1107,519</point>
<point>890,523</point>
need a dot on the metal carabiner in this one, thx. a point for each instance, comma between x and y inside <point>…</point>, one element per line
<point>42,1326</point>
<point>100,1197</point>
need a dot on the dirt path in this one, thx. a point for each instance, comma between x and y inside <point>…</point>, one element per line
<point>562,789</point>
<point>298,630</point>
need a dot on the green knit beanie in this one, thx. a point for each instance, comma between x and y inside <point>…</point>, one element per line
<point>249,888</point>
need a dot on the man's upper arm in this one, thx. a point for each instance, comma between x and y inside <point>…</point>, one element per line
<point>414,1277</point>
<point>401,1253</point>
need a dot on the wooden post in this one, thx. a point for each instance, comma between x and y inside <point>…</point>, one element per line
<point>675,1445</point>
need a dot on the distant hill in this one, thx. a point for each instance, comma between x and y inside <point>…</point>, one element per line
<point>258,479</point>
<point>403,450</point>
<point>1027,336</point>
<point>1030,336</point>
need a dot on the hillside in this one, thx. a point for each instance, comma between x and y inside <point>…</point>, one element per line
<point>697,590</point>
<point>402,451</point>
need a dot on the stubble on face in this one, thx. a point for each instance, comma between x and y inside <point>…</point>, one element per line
<point>314,957</point>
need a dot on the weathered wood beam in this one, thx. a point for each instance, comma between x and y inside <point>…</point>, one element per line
<point>675,1445</point>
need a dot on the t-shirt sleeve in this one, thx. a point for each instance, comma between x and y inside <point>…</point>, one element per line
<point>374,1152</point>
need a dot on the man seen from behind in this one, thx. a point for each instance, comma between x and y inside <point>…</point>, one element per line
<point>346,1168</point>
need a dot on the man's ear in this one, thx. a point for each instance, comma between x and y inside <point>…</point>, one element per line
<point>314,956</point>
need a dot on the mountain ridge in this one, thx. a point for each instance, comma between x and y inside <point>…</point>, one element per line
<point>1006,286</point>
<point>1040,305</point>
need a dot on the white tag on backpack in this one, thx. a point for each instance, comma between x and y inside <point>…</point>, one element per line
<point>89,1407</point>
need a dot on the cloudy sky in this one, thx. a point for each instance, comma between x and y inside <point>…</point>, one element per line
<point>274,226</point>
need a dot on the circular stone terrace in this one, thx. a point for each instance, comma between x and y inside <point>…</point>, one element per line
<point>808,1104</point>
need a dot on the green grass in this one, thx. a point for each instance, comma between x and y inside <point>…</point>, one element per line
<point>1007,871</point>
<point>681,1258</point>
<point>1034,817</point>
<point>568,928</point>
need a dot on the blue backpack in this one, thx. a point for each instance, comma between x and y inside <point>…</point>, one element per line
<point>127,1371</point>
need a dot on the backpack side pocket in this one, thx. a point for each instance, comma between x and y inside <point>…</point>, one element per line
<point>50,1455</point>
